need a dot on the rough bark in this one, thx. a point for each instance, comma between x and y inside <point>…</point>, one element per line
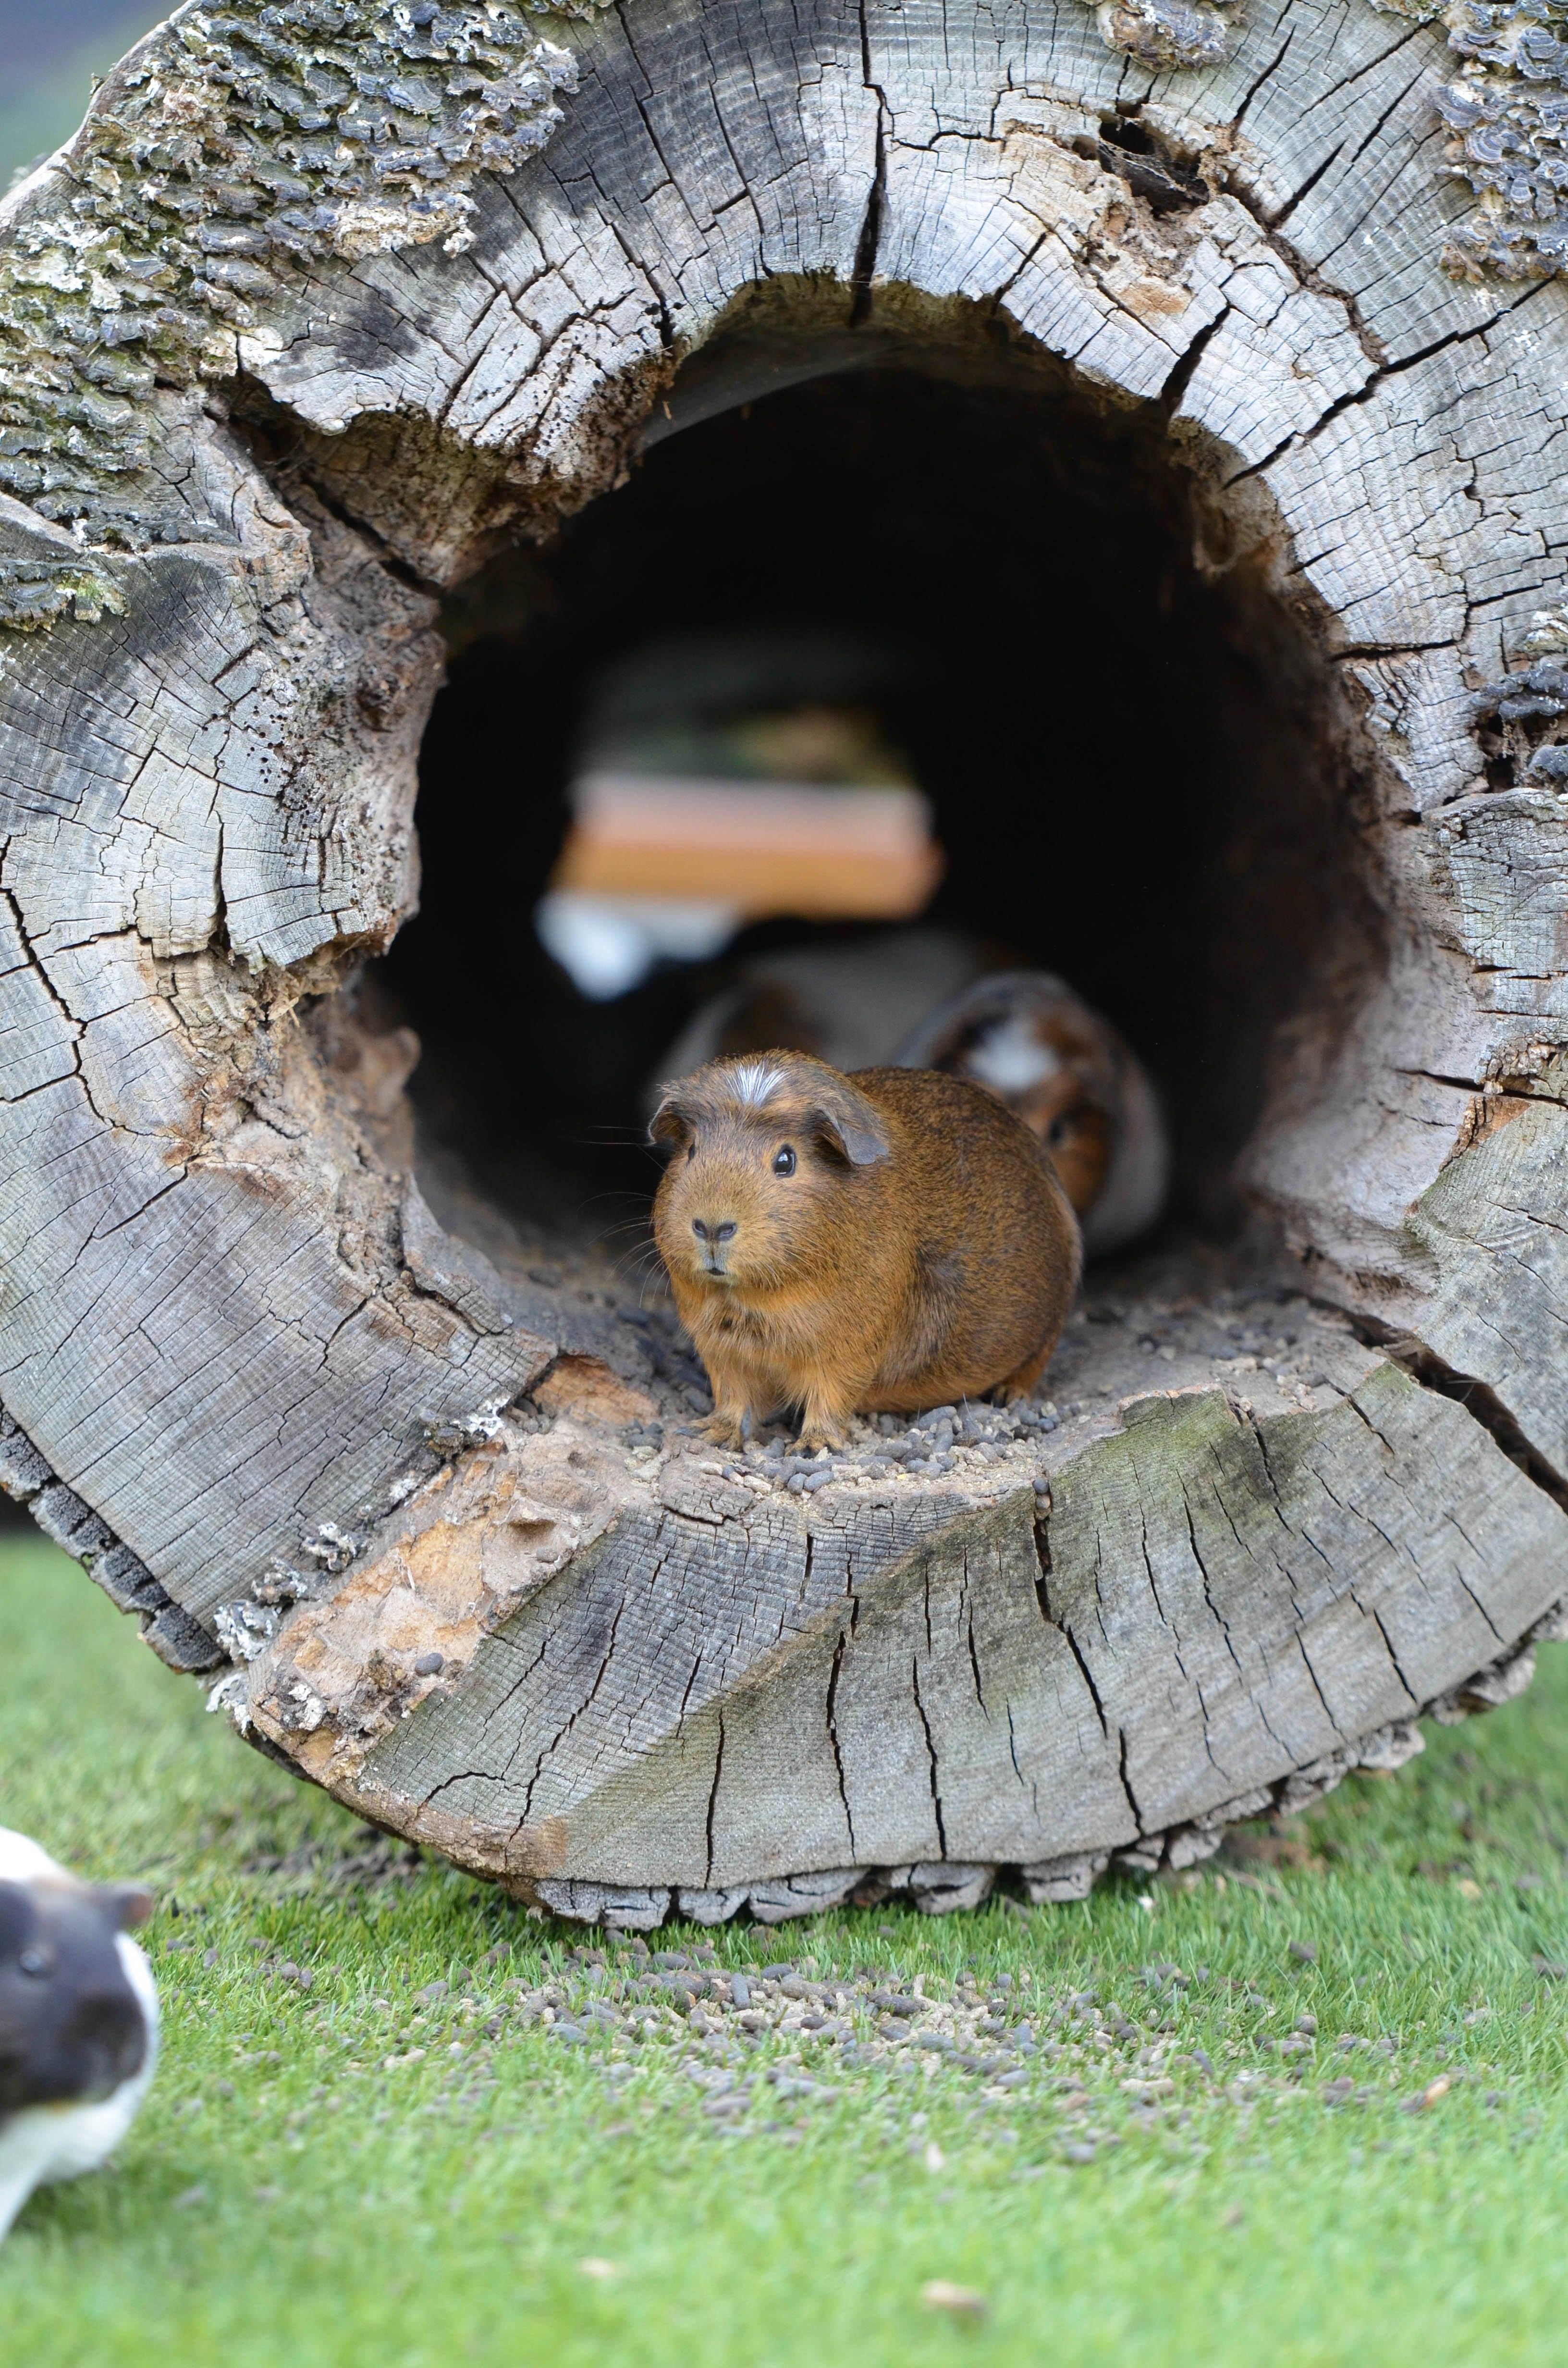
<point>248,1373</point>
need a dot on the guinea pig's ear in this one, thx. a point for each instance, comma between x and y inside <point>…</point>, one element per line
<point>847,1126</point>
<point>127,1904</point>
<point>671,1123</point>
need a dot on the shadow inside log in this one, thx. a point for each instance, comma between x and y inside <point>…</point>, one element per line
<point>1140,771</point>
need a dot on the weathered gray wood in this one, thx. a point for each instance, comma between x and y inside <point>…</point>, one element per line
<point>1496,1224</point>
<point>248,1374</point>
<point>1214,1603</point>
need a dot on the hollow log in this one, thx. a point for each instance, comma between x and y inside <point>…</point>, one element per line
<point>327,310</point>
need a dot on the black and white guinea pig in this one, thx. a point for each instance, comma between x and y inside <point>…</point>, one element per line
<point>79,2021</point>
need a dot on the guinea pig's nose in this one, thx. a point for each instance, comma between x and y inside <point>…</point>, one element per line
<point>106,2035</point>
<point>721,1233</point>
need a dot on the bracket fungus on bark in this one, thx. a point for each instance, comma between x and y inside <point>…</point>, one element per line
<point>285,361</point>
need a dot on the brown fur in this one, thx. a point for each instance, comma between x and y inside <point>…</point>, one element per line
<point>922,1251</point>
<point>1063,1112</point>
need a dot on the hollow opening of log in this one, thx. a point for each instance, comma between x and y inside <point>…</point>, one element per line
<point>1133,748</point>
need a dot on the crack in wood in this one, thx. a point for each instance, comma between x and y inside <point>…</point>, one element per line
<point>931,1754</point>
<point>713,1796</point>
<point>834,1675</point>
<point>1480,1401</point>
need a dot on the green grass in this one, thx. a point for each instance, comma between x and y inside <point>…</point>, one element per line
<point>286,2197</point>
<point>43,98</point>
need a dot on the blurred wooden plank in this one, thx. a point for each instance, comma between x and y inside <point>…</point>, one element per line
<point>764,847</point>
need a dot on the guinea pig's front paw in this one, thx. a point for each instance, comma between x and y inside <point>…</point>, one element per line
<point>820,1434</point>
<point>721,1430</point>
<point>1024,1381</point>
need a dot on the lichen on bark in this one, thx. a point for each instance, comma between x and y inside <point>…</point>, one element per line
<point>1168,33</point>
<point>234,146</point>
<point>1507,112</point>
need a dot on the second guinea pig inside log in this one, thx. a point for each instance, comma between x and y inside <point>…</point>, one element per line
<point>1072,1078</point>
<point>883,1242</point>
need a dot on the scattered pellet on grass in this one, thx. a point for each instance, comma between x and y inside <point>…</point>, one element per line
<point>1426,2098</point>
<point>963,2302</point>
<point>1074,2035</point>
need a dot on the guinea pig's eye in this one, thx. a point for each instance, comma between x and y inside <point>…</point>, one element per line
<point>33,1961</point>
<point>784,1161</point>
<point>691,1150</point>
<point>1058,1131</point>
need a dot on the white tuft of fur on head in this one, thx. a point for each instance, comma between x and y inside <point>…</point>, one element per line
<point>21,1860</point>
<point>755,1082</point>
<point>1012,1056</point>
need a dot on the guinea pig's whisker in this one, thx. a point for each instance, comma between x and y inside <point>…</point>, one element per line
<point>638,1253</point>
<point>603,1230</point>
<point>610,1140</point>
<point>625,1252</point>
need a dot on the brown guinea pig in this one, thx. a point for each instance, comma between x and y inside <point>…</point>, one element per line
<point>886,1241</point>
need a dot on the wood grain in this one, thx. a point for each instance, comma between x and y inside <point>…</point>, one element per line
<point>241,1358</point>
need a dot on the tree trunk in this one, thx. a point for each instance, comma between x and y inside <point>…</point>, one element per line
<point>432,1523</point>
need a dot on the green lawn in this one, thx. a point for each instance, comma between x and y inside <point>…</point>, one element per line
<point>50,71</point>
<point>290,2195</point>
